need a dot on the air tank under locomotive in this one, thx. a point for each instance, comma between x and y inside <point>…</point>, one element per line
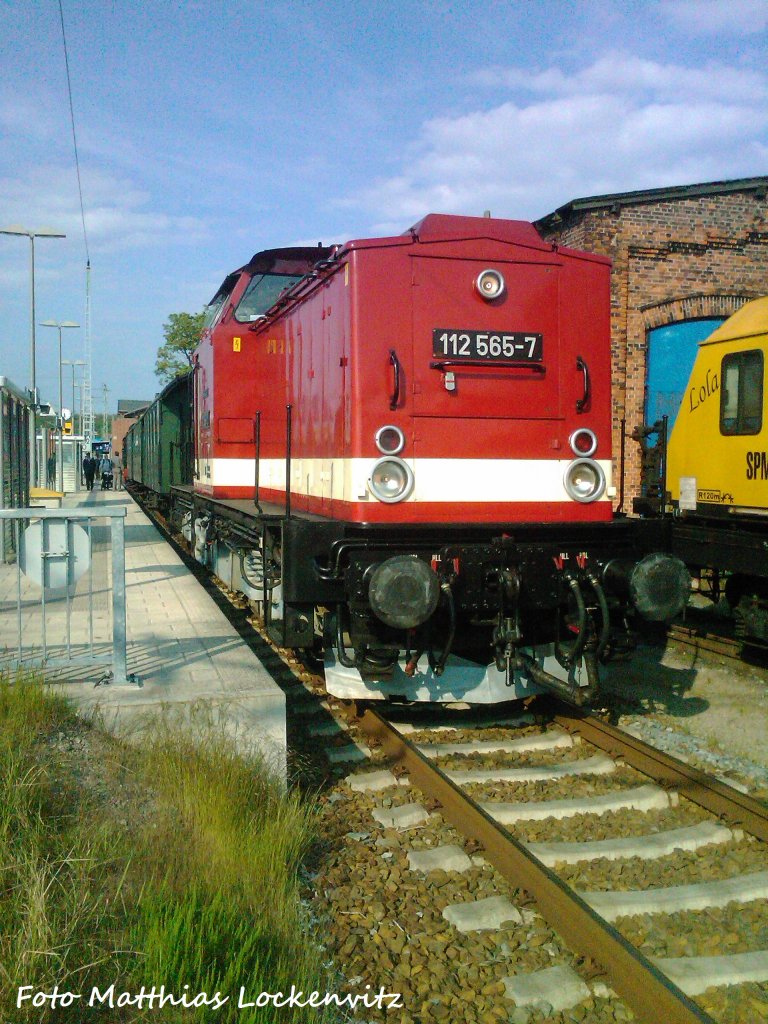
<point>403,454</point>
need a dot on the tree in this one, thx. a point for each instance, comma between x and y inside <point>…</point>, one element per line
<point>182,333</point>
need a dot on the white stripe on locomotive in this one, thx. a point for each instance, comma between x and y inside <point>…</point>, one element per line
<point>437,480</point>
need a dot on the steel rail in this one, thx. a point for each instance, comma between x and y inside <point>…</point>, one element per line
<point>648,992</point>
<point>738,809</point>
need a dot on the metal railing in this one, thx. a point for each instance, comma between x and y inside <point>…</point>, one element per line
<point>59,604</point>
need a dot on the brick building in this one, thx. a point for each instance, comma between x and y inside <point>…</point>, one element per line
<point>682,256</point>
<point>127,411</point>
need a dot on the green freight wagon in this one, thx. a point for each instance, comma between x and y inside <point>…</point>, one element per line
<point>158,447</point>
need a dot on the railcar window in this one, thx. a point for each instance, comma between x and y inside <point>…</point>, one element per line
<point>262,293</point>
<point>741,396</point>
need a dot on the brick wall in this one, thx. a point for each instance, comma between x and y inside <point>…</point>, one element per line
<point>674,258</point>
<point>120,427</point>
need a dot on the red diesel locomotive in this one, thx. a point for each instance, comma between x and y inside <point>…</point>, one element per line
<point>403,450</point>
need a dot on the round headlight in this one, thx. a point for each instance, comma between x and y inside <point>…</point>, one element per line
<point>403,591</point>
<point>391,480</point>
<point>490,284</point>
<point>390,440</point>
<point>583,442</point>
<point>584,480</point>
<point>660,586</point>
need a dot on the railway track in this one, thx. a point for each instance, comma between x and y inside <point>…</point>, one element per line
<point>656,820</point>
<point>701,639</point>
<point>697,633</point>
<point>518,800</point>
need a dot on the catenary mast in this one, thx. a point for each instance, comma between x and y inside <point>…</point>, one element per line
<point>88,430</point>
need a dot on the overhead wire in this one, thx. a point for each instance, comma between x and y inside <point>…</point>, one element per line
<point>88,417</point>
<point>74,132</point>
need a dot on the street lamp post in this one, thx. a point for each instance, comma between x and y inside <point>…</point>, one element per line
<point>73,363</point>
<point>60,324</point>
<point>15,229</point>
<point>80,389</point>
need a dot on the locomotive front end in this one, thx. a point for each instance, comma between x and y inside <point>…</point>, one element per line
<point>488,620</point>
<point>479,568</point>
<point>403,454</point>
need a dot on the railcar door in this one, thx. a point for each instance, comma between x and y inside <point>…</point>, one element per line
<point>485,359</point>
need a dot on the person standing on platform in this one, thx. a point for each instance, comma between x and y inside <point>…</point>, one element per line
<point>118,474</point>
<point>51,470</point>
<point>105,468</point>
<point>89,470</point>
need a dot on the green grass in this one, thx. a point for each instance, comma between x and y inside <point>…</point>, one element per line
<point>192,882</point>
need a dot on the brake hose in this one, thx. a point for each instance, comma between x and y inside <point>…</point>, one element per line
<point>605,630</point>
<point>569,658</point>
<point>438,664</point>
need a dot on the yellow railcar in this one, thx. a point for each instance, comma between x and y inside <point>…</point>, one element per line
<point>717,465</point>
<point>717,462</point>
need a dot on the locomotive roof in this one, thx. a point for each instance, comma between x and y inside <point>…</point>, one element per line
<point>447,227</point>
<point>751,319</point>
<point>296,259</point>
<point>439,226</point>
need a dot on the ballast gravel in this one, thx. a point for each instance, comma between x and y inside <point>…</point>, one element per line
<point>384,922</point>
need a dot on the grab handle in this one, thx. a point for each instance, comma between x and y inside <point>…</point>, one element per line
<point>395,399</point>
<point>583,402</point>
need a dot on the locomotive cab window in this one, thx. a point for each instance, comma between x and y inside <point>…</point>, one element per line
<point>217,303</point>
<point>262,293</point>
<point>741,396</point>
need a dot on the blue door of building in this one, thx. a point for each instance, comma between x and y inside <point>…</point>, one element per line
<point>671,354</point>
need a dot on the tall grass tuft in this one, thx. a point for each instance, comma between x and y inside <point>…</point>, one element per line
<point>222,908</point>
<point>53,921</point>
<point>194,884</point>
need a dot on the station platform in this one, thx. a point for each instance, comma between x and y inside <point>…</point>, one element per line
<point>189,660</point>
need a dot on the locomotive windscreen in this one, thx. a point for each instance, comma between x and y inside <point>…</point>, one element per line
<point>262,293</point>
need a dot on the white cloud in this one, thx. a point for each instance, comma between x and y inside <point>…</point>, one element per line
<point>716,17</point>
<point>119,215</point>
<point>620,124</point>
<point>619,73</point>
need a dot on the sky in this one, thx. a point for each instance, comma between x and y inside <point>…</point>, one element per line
<point>208,130</point>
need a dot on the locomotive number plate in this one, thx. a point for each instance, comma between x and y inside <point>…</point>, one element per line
<point>514,346</point>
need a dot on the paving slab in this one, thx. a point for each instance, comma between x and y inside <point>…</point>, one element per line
<point>558,987</point>
<point>600,764</point>
<point>695,974</point>
<point>483,915</point>
<point>503,722</point>
<point>444,858</point>
<point>190,661</point>
<point>349,753</point>
<point>674,898</point>
<point>641,798</point>
<point>372,782</point>
<point>648,847</point>
<point>331,727</point>
<point>405,816</point>
<point>522,744</point>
